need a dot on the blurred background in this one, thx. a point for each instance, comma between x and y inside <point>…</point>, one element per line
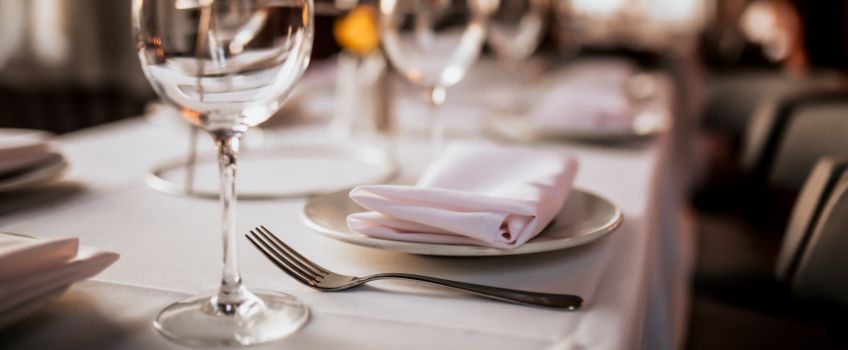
<point>761,88</point>
<point>70,64</point>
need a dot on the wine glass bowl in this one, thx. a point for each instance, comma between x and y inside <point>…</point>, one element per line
<point>233,63</point>
<point>432,43</point>
<point>228,65</point>
<point>516,29</point>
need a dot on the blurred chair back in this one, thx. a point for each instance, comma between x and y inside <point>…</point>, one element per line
<point>735,97</point>
<point>789,133</point>
<point>813,259</point>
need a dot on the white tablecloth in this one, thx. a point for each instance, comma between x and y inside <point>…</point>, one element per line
<point>634,281</point>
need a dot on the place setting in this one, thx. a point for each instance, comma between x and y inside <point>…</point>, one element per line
<point>597,101</point>
<point>474,200</point>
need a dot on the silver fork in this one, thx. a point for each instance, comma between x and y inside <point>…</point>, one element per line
<point>313,275</point>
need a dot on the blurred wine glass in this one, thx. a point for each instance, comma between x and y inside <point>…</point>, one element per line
<point>516,28</point>
<point>228,65</point>
<point>433,44</point>
<point>363,91</point>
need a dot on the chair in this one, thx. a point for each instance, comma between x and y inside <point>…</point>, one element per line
<point>745,307</point>
<point>735,96</point>
<point>788,134</point>
<point>813,259</point>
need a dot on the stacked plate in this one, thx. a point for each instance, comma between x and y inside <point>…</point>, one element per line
<point>34,272</point>
<point>27,158</point>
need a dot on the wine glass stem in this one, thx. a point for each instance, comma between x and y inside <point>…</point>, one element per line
<point>435,98</point>
<point>231,292</point>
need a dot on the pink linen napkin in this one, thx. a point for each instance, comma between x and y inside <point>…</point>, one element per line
<point>32,267</point>
<point>476,194</point>
<point>590,96</point>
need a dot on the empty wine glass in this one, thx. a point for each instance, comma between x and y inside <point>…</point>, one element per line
<point>515,31</point>
<point>433,43</point>
<point>229,65</point>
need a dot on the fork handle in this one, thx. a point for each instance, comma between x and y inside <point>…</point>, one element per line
<point>559,301</point>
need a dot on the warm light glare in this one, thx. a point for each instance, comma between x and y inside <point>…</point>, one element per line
<point>597,7</point>
<point>759,21</point>
<point>11,28</point>
<point>357,32</point>
<point>486,7</point>
<point>675,11</point>
<point>769,26</point>
<point>249,31</point>
<point>387,6</point>
<point>49,36</point>
<point>191,4</point>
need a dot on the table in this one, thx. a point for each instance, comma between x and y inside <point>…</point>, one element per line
<point>635,281</point>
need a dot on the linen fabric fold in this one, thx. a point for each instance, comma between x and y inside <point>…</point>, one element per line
<point>474,194</point>
<point>30,267</point>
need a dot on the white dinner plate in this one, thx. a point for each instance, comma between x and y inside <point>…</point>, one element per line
<point>584,218</point>
<point>45,171</point>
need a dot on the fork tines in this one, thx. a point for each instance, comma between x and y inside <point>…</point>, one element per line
<point>286,258</point>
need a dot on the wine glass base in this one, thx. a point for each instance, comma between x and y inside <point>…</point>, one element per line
<point>197,321</point>
<point>309,169</point>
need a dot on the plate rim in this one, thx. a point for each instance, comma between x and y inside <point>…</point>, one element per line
<point>463,250</point>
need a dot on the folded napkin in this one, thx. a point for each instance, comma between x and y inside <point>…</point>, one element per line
<point>23,149</point>
<point>477,194</point>
<point>591,96</point>
<point>30,267</point>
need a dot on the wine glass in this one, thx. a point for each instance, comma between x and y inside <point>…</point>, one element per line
<point>515,31</point>
<point>433,43</point>
<point>228,65</point>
